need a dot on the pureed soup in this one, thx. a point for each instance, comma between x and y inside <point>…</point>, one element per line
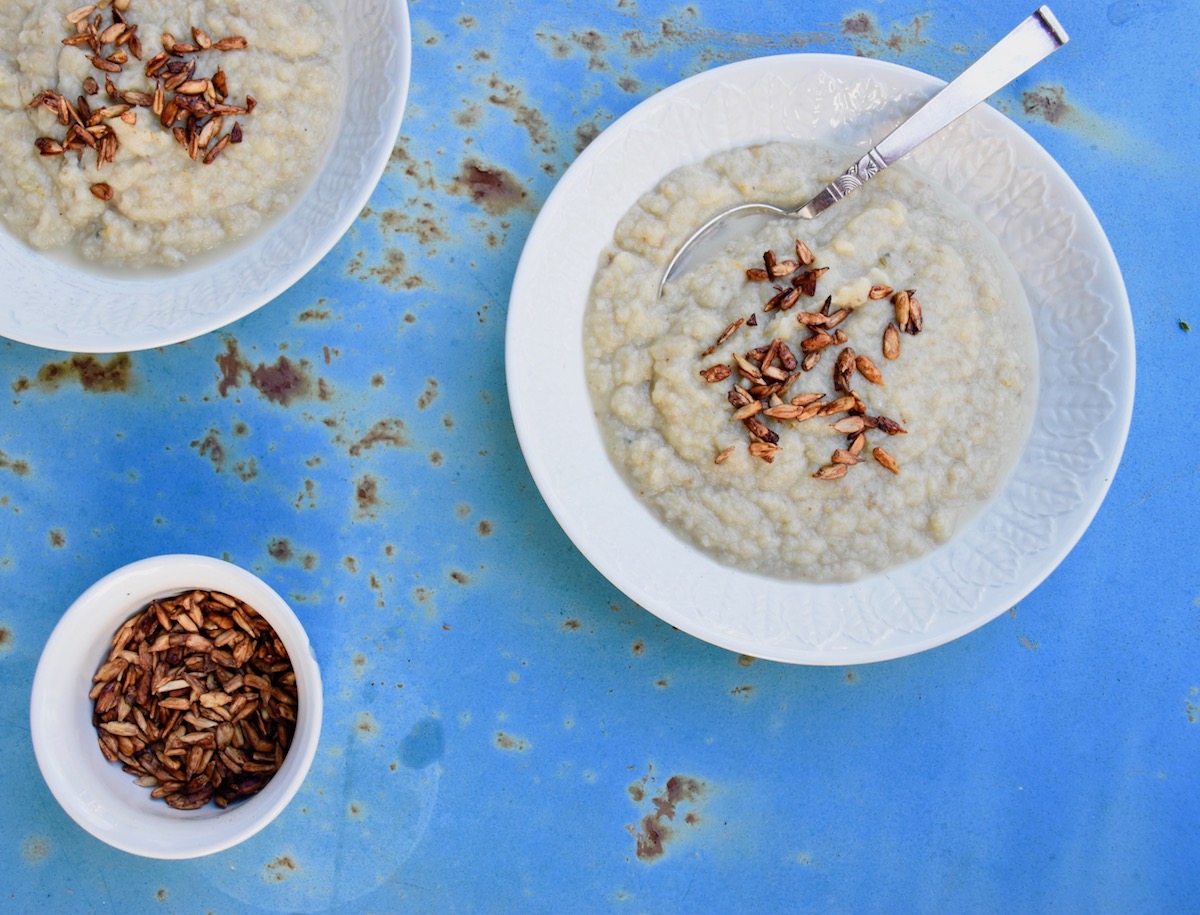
<point>829,398</point>
<point>144,132</point>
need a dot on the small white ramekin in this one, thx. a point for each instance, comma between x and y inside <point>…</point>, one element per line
<point>97,794</point>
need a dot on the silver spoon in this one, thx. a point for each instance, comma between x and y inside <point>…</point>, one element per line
<point>1030,42</point>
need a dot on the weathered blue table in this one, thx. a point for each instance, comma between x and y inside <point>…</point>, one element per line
<point>504,730</point>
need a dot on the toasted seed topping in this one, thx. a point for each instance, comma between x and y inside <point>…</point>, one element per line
<point>885,460</point>
<point>890,426</point>
<point>868,369</point>
<point>831,472</point>
<point>771,369</point>
<point>891,342</point>
<point>717,373</point>
<point>764,450</point>
<point>748,410</point>
<point>194,100</point>
<point>850,425</point>
<point>901,304</point>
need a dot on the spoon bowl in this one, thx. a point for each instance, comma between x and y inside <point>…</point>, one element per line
<point>1032,41</point>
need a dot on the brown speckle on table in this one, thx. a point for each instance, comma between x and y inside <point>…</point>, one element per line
<point>93,375</point>
<point>58,539</point>
<point>314,314</point>
<point>366,494</point>
<point>17,466</point>
<point>745,660</point>
<point>429,395</point>
<point>392,273</point>
<point>858,24</point>
<point>485,528</point>
<point>385,432</point>
<point>459,577</point>
<point>638,648</point>
<point>210,447</point>
<point>505,741</point>
<point>279,549</point>
<point>280,869</point>
<point>571,625</point>
<point>436,458</point>
<point>496,190</point>
<point>867,36</point>
<point>6,638</point>
<point>281,382</point>
<point>1047,103</point>
<point>656,829</point>
<point>469,116</point>
<point>35,849</point>
<point>366,725</point>
<point>427,230</point>
<point>584,134</point>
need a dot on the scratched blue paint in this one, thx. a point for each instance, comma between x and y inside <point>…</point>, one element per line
<point>502,726</point>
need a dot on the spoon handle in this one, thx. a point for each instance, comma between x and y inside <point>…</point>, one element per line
<point>1030,42</point>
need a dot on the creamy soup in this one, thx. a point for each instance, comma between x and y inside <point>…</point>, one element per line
<point>901,376</point>
<point>160,197</point>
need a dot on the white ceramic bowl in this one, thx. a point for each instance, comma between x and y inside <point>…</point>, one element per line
<point>97,794</point>
<point>103,312</point>
<point>1085,343</point>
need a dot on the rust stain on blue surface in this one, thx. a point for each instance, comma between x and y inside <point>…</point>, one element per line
<point>366,496</point>
<point>510,97</point>
<point>6,639</point>
<point>93,375</point>
<point>210,447</point>
<point>18,466</point>
<point>495,189</point>
<point>505,741</point>
<point>35,849</point>
<point>1046,103</point>
<point>429,395</point>
<point>280,382</point>
<point>280,869</point>
<point>387,432</point>
<point>366,725</point>
<point>656,828</point>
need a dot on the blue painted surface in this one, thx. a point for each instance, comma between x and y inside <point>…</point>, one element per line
<point>500,721</point>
